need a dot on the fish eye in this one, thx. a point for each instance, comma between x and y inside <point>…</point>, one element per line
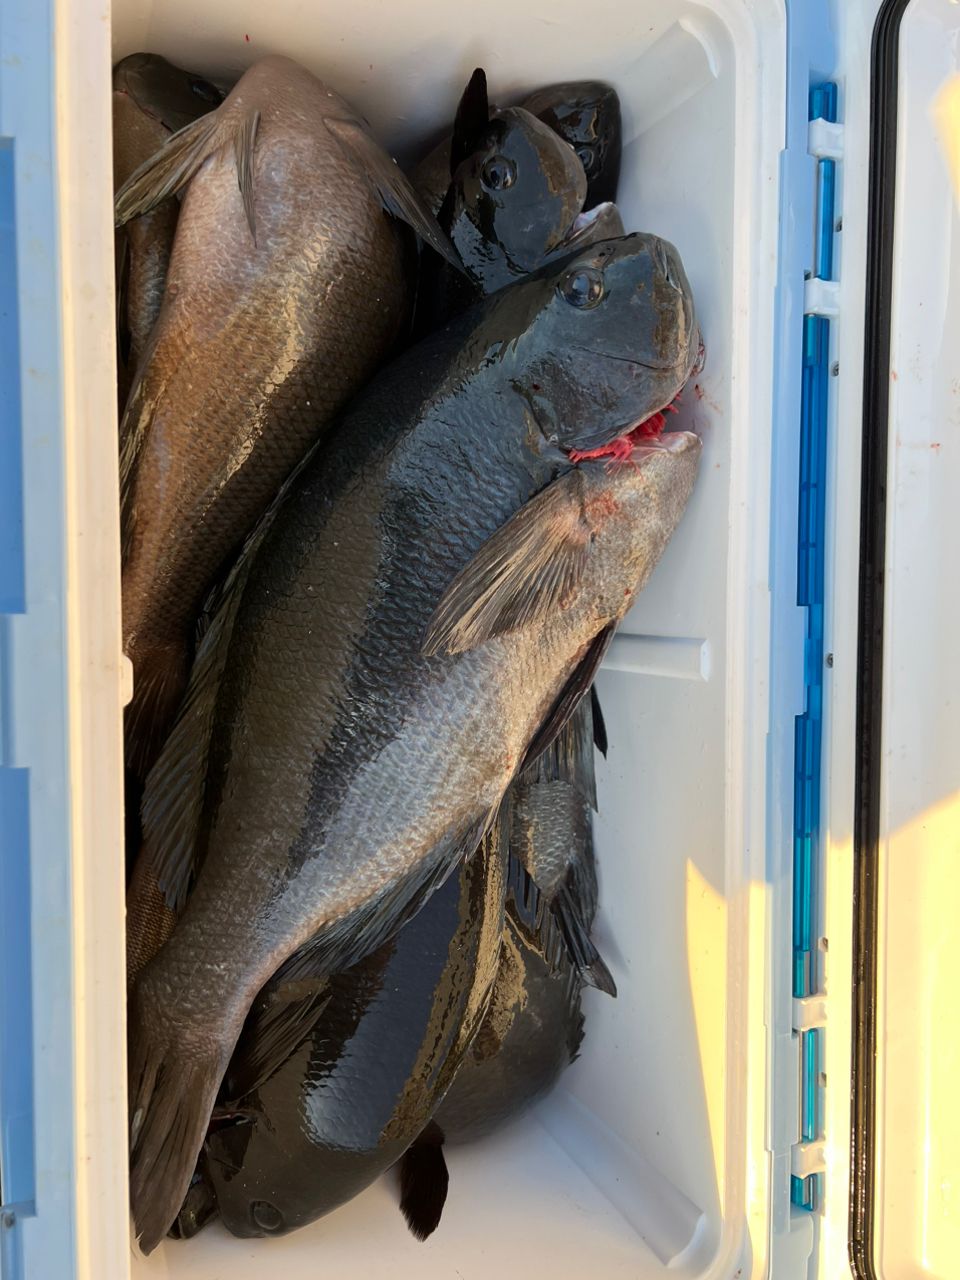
<point>583,287</point>
<point>498,173</point>
<point>586,156</point>
<point>203,89</point>
<point>265,1216</point>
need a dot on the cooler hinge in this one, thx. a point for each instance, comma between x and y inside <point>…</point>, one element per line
<point>821,307</point>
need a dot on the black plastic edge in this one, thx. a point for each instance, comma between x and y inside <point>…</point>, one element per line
<point>881,213</point>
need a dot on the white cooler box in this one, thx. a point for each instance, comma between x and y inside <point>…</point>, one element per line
<point>773,1092</point>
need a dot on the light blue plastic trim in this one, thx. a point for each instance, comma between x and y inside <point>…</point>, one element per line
<point>11,502</point>
<point>811,58</point>
<point>17,1173</point>
<point>808,848</point>
<point>37,1226</point>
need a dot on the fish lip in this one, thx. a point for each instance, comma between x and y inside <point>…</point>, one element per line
<point>700,360</point>
<point>670,442</point>
<point>582,225</point>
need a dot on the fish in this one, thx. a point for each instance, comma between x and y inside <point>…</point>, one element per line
<point>515,202</point>
<point>288,1145</point>
<point>500,241</point>
<point>534,1025</point>
<point>337,1111</point>
<point>489,261</point>
<point>423,608</point>
<point>584,113</point>
<point>152,98</point>
<point>269,1171</point>
<point>287,286</point>
<point>587,115</point>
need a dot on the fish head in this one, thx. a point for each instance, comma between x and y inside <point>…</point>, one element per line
<point>633,504</point>
<point>270,1170</point>
<point>253,1187</point>
<point>607,339</point>
<point>586,114</point>
<point>199,1207</point>
<point>516,196</point>
<point>164,92</point>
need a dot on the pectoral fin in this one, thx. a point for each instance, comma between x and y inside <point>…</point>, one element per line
<point>423,1182</point>
<point>527,569</point>
<point>392,186</point>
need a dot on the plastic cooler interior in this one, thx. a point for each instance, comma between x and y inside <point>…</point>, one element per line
<point>654,1152</point>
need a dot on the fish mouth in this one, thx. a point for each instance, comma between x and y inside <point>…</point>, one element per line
<point>649,433</point>
<point>581,230</point>
<point>701,359</point>
<point>643,441</point>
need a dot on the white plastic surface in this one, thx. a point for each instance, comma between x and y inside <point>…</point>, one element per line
<point>917,1230</point>
<point>651,1155</point>
<point>918,1168</point>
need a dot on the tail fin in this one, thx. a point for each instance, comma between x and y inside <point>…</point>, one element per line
<point>423,1182</point>
<point>172,1092</point>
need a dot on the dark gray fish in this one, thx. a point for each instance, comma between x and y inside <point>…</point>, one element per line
<point>400,1025</point>
<point>288,285</point>
<point>152,99</point>
<point>584,113</point>
<point>534,1024</point>
<point>298,1141</point>
<point>514,203</point>
<point>403,635</point>
<point>533,1027</point>
<point>535,1015</point>
<point>526,167</point>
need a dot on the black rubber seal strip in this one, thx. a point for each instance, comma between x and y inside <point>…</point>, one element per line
<point>884,89</point>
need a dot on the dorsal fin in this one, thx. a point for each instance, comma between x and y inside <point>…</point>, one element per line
<point>471,120</point>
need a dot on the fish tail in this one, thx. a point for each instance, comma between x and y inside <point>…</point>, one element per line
<point>173,1087</point>
<point>423,1182</point>
<point>171,168</point>
<point>160,678</point>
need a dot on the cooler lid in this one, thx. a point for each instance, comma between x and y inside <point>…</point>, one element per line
<point>905,1123</point>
